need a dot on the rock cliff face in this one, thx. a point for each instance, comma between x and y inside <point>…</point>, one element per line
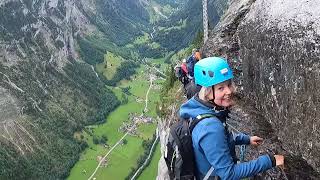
<point>274,49</point>
<point>273,46</point>
<point>279,47</point>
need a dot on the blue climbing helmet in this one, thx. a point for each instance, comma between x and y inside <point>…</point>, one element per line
<point>211,71</point>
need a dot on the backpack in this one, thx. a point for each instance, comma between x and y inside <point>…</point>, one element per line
<point>178,72</point>
<point>179,154</point>
<point>192,89</point>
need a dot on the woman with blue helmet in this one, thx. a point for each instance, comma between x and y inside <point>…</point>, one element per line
<point>213,143</point>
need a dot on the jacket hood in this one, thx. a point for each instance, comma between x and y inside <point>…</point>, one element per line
<point>195,106</point>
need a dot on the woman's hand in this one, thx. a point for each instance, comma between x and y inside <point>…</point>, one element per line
<point>279,160</point>
<point>255,140</point>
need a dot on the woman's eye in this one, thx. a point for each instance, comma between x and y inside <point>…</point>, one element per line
<point>220,88</point>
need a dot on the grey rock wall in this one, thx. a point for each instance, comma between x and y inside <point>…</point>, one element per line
<point>279,48</point>
<point>163,173</point>
<point>273,46</point>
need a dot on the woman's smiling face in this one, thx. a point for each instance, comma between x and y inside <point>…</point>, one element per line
<point>223,94</point>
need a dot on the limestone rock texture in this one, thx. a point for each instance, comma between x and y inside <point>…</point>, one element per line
<point>273,46</point>
<point>279,47</point>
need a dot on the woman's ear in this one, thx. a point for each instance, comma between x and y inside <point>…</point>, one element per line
<point>209,93</point>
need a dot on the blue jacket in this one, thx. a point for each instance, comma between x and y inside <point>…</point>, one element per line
<point>190,64</point>
<point>215,146</point>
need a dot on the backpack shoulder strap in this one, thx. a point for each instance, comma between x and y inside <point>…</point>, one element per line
<point>192,126</point>
<point>198,119</point>
<point>209,173</point>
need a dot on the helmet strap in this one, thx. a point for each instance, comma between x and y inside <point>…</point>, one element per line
<point>215,106</point>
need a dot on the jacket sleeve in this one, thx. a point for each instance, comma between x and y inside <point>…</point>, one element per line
<point>241,139</point>
<point>215,147</point>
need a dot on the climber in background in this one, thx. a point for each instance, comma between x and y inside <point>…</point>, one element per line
<point>184,69</point>
<point>184,66</point>
<point>191,88</point>
<point>181,73</point>
<point>192,60</point>
<point>213,143</point>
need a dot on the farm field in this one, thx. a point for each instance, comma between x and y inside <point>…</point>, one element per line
<point>123,157</point>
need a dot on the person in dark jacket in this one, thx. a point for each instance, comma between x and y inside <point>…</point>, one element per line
<point>213,143</point>
<point>192,60</point>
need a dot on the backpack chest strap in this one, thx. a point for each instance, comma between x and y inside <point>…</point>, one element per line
<point>204,116</point>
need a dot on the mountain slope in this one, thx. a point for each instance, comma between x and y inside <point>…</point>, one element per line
<point>48,85</point>
<point>186,23</point>
<point>120,21</point>
<point>47,92</point>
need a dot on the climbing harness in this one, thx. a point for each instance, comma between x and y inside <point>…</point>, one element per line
<point>242,152</point>
<point>243,148</point>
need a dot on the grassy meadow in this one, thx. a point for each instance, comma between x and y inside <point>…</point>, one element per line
<point>124,157</point>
